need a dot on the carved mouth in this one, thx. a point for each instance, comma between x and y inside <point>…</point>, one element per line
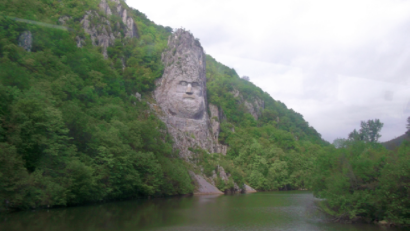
<point>188,96</point>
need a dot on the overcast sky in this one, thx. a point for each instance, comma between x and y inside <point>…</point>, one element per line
<point>335,62</point>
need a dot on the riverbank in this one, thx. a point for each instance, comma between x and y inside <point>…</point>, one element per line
<point>334,216</point>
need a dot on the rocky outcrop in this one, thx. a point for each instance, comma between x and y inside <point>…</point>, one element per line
<point>249,189</point>
<point>182,103</point>
<point>181,95</point>
<point>216,118</point>
<point>254,107</point>
<point>80,41</point>
<point>100,29</point>
<point>101,32</point>
<point>131,30</point>
<point>63,20</point>
<point>138,96</point>
<point>225,177</point>
<point>26,40</point>
<point>222,174</point>
<point>104,7</point>
<point>202,186</point>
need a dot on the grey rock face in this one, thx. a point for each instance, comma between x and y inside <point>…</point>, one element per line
<point>222,174</point>
<point>102,33</point>
<point>181,94</point>
<point>249,189</point>
<point>26,40</point>
<point>80,41</point>
<point>225,177</point>
<point>63,20</point>
<point>182,103</point>
<point>131,27</point>
<point>254,107</point>
<point>104,7</point>
<point>203,187</point>
<point>216,119</point>
<point>138,96</point>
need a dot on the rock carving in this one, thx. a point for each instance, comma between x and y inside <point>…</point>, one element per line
<point>182,105</point>
<point>181,94</point>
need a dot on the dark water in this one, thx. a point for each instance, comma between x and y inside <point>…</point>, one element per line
<point>257,211</point>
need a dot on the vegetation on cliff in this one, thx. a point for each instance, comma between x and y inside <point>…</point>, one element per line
<point>274,151</point>
<point>73,130</point>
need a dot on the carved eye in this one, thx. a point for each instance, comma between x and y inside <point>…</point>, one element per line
<point>183,83</point>
<point>195,84</point>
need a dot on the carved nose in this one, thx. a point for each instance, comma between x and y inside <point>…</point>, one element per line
<point>189,89</point>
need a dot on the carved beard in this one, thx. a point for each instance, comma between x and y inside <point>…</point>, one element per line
<point>187,106</point>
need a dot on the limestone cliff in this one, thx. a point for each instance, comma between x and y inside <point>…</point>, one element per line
<point>217,117</point>
<point>182,104</point>
<point>254,106</point>
<point>181,94</point>
<point>101,30</point>
<point>203,186</point>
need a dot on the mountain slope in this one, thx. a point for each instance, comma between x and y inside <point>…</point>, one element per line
<point>76,126</point>
<point>396,142</point>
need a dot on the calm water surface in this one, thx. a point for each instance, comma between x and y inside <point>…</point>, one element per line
<point>256,211</point>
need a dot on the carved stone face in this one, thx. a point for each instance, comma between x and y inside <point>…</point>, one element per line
<point>186,98</point>
<point>181,92</point>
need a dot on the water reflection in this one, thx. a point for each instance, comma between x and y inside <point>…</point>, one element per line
<point>258,211</point>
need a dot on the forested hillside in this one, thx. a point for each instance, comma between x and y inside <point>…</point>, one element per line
<point>76,124</point>
<point>273,149</point>
<point>72,129</point>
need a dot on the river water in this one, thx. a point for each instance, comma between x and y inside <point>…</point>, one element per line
<point>292,210</point>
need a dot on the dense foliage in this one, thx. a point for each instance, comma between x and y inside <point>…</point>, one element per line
<point>360,179</point>
<point>276,151</point>
<point>71,130</point>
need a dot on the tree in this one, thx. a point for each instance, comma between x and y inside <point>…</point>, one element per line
<point>355,135</point>
<point>168,29</point>
<point>369,131</point>
<point>339,142</point>
<point>408,124</point>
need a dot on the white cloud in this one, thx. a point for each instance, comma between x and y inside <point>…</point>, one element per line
<point>335,62</point>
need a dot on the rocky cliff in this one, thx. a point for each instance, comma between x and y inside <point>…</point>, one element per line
<point>102,32</point>
<point>217,117</point>
<point>181,95</point>
<point>182,100</point>
<point>254,106</point>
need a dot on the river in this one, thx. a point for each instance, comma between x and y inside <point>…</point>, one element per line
<point>292,210</point>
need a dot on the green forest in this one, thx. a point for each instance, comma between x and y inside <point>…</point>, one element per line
<point>73,132</point>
